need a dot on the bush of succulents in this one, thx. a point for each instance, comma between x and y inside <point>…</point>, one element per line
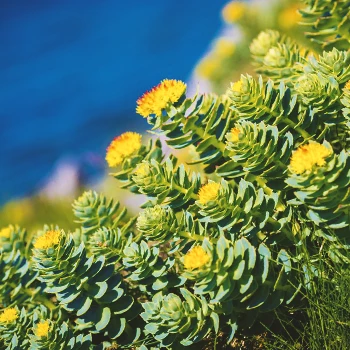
<point>212,252</point>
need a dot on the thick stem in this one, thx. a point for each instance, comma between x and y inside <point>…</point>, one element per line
<point>275,223</point>
<point>216,143</point>
<point>261,182</point>
<point>196,237</point>
<point>37,297</point>
<point>298,129</point>
<point>183,190</point>
<point>289,122</point>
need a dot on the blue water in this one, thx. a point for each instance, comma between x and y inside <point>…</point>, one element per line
<point>71,71</point>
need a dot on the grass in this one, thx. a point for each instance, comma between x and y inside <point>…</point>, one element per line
<point>321,320</point>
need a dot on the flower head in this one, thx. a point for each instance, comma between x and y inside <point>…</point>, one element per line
<point>234,134</point>
<point>122,147</point>
<point>143,169</point>
<point>208,192</point>
<point>5,232</point>
<point>195,258</point>
<point>158,98</point>
<point>306,156</point>
<point>42,329</point>
<point>347,85</point>
<point>48,239</point>
<point>237,86</point>
<point>152,216</point>
<point>233,11</point>
<point>9,315</point>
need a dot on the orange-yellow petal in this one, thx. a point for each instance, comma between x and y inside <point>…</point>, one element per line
<point>42,329</point>
<point>208,192</point>
<point>154,101</point>
<point>9,315</point>
<point>5,232</point>
<point>237,86</point>
<point>122,147</point>
<point>195,258</point>
<point>306,156</point>
<point>48,239</point>
<point>234,135</point>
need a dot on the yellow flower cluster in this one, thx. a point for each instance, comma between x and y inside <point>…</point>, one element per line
<point>195,258</point>
<point>122,147</point>
<point>158,98</point>
<point>306,156</point>
<point>208,192</point>
<point>9,315</point>
<point>143,169</point>
<point>42,329</point>
<point>237,86</point>
<point>347,85</point>
<point>233,11</point>
<point>48,239</point>
<point>234,135</point>
<point>5,232</point>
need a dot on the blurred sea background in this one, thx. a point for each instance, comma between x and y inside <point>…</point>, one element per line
<point>71,72</point>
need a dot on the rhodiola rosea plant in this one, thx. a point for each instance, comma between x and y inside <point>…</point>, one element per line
<point>212,252</point>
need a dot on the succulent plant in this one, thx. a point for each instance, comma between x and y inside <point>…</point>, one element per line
<point>321,182</point>
<point>321,95</point>
<point>329,22</point>
<point>89,287</point>
<point>256,149</point>
<point>158,223</point>
<point>172,319</point>
<point>215,252</point>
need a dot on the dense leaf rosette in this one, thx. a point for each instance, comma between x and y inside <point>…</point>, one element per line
<point>321,181</point>
<point>240,272</point>
<point>172,319</point>
<point>88,286</point>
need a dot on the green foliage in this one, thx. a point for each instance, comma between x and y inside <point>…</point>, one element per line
<point>109,242</point>
<point>13,333</point>
<point>146,267</point>
<point>95,211</point>
<point>157,223</point>
<point>243,274</point>
<point>329,21</point>
<point>257,101</point>
<point>325,192</point>
<point>185,320</point>
<point>183,125</point>
<point>86,286</point>
<point>333,63</point>
<point>266,40</point>
<point>242,210</point>
<point>315,85</point>
<point>14,239</point>
<point>346,103</point>
<point>49,332</point>
<point>17,280</point>
<point>166,183</point>
<point>222,252</point>
<point>153,150</point>
<point>59,337</point>
<point>256,149</point>
<point>319,93</point>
